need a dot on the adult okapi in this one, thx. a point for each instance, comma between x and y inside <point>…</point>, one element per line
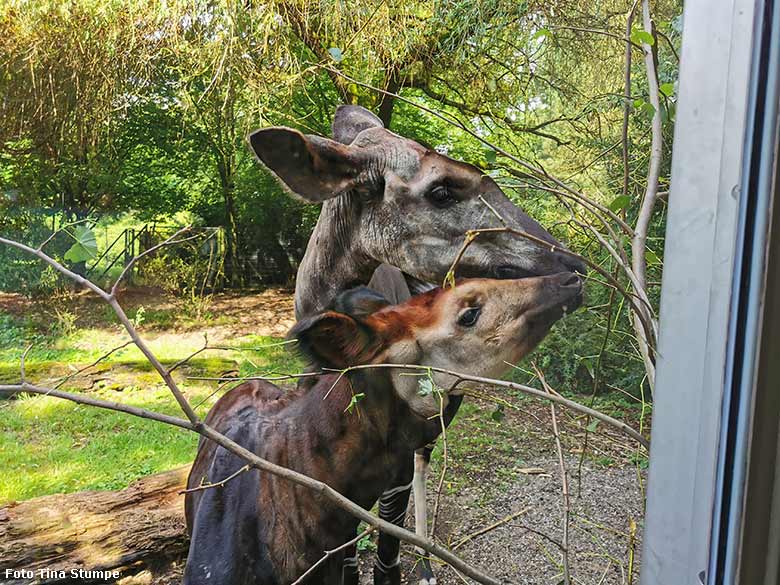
<point>390,201</point>
<point>261,529</point>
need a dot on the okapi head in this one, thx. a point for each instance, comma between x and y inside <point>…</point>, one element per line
<point>477,327</point>
<point>391,200</point>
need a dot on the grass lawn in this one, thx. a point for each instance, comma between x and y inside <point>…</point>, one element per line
<point>48,445</point>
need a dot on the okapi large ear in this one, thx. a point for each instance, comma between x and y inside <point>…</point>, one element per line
<point>313,168</point>
<point>350,121</point>
<point>335,340</point>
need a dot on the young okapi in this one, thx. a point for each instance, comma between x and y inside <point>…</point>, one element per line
<point>261,529</point>
<point>391,201</point>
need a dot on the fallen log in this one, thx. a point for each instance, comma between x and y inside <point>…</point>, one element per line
<point>138,528</point>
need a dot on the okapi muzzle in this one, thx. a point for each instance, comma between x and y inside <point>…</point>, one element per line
<point>260,529</point>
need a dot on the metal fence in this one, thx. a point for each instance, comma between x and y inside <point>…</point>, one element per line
<point>254,267</point>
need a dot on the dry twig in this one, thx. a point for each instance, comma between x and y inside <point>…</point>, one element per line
<point>564,481</point>
<point>489,528</point>
<point>329,553</point>
<point>217,484</point>
<point>639,242</point>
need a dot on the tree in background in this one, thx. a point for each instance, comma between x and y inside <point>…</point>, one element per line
<point>110,107</point>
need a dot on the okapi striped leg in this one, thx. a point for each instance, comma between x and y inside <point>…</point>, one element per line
<point>392,507</point>
<point>350,575</point>
<point>422,460</point>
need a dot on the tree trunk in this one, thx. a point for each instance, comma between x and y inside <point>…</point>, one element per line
<point>233,270</point>
<point>388,101</point>
<point>130,530</point>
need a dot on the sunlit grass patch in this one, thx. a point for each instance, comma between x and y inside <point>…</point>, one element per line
<point>49,445</point>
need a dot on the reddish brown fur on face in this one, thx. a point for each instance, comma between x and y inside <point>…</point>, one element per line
<point>399,322</point>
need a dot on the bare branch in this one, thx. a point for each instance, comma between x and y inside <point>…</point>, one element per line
<point>627,97</point>
<point>80,280</point>
<point>206,486</point>
<point>59,230</point>
<point>639,242</point>
<point>445,464</point>
<point>461,377</point>
<point>22,372</point>
<point>588,203</point>
<point>489,528</point>
<point>556,398</point>
<point>61,381</point>
<point>98,402</point>
<point>192,355</point>
<point>626,39</point>
<point>168,242</point>
<point>329,553</point>
<point>564,481</point>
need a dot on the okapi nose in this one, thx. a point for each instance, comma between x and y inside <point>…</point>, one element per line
<point>571,279</point>
<point>573,264</point>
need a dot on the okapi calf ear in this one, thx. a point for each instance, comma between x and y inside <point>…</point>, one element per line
<point>360,302</point>
<point>335,340</point>
<point>313,168</point>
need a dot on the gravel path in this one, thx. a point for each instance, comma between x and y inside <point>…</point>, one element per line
<point>526,550</point>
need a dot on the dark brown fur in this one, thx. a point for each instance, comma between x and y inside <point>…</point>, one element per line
<point>314,435</point>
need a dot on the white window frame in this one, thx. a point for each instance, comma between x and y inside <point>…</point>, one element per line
<point>714,291</point>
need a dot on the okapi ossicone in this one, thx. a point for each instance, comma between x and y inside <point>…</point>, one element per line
<point>391,203</point>
<point>262,529</point>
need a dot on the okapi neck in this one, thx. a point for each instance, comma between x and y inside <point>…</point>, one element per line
<point>365,402</point>
<point>334,260</point>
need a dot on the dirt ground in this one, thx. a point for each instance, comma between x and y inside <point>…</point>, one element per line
<point>268,312</point>
<point>495,470</point>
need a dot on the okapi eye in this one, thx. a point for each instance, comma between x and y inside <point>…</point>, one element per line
<point>441,197</point>
<point>469,317</point>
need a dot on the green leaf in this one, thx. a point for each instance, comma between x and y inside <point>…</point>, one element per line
<point>336,54</point>
<point>640,36</point>
<point>648,109</point>
<point>667,89</point>
<point>426,386</point>
<point>542,32</point>
<point>366,544</point>
<point>593,426</point>
<point>498,414</point>
<point>490,155</point>
<point>354,400</point>
<point>85,247</point>
<point>619,203</point>
<point>652,258</point>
